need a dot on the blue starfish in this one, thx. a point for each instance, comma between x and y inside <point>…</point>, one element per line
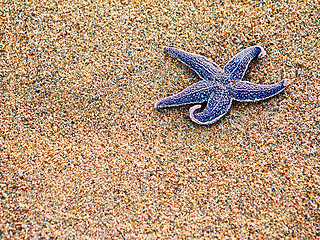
<point>219,86</point>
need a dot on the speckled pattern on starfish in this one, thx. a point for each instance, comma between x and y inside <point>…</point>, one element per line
<point>219,86</point>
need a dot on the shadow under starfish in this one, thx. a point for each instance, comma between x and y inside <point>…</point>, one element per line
<point>219,86</point>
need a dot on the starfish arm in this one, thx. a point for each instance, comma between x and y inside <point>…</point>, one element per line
<point>250,92</point>
<point>237,66</point>
<point>218,105</point>
<point>196,93</point>
<point>206,69</point>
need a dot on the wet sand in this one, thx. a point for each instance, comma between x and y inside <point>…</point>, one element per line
<point>84,154</point>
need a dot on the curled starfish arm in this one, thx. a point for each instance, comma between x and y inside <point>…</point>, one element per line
<point>206,69</point>
<point>250,92</point>
<point>237,66</point>
<point>218,105</point>
<point>196,93</point>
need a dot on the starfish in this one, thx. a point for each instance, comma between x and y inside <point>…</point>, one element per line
<point>219,86</point>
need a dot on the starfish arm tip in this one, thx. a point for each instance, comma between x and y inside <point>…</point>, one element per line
<point>194,108</point>
<point>191,112</point>
<point>166,49</point>
<point>157,105</point>
<point>194,119</point>
<point>262,53</point>
<point>286,82</point>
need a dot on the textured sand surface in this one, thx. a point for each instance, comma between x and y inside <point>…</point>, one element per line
<point>83,153</point>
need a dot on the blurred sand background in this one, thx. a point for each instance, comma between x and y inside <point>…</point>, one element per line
<point>83,153</point>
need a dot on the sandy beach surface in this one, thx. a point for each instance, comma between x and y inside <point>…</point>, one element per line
<point>84,154</point>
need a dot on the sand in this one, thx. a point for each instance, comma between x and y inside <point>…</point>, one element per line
<point>84,154</point>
